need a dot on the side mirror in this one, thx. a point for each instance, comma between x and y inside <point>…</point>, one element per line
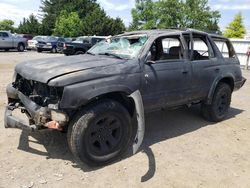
<point>149,60</point>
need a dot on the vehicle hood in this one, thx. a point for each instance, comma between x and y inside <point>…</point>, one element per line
<point>44,70</point>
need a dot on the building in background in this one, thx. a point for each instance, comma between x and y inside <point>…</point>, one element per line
<point>247,36</point>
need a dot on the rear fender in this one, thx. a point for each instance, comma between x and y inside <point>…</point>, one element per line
<point>214,86</point>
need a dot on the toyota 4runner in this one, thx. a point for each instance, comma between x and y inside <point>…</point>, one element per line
<point>100,97</point>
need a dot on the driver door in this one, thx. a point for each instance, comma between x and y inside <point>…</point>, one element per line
<point>167,74</point>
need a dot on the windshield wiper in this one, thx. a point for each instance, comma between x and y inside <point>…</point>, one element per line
<point>110,54</point>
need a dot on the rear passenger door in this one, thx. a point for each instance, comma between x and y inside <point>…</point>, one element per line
<point>205,66</point>
<point>167,78</point>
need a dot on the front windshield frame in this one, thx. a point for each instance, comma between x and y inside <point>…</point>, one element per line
<point>121,46</point>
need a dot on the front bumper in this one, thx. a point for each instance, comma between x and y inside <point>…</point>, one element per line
<point>38,116</point>
<point>44,47</point>
<point>239,84</point>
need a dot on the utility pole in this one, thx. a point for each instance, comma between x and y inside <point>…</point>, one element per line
<point>248,58</point>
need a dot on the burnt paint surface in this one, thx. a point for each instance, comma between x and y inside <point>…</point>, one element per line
<point>163,84</point>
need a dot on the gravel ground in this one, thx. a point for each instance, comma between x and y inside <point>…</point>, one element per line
<point>180,149</point>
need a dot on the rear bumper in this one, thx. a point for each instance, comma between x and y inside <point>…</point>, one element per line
<point>239,84</point>
<point>38,116</point>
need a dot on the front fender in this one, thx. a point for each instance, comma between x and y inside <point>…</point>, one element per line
<point>77,95</point>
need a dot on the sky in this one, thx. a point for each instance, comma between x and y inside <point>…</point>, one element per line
<point>17,9</point>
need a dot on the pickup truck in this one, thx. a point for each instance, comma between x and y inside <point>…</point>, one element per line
<point>100,98</point>
<point>81,45</point>
<point>9,41</point>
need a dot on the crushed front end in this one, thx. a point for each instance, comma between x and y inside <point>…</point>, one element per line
<point>38,101</point>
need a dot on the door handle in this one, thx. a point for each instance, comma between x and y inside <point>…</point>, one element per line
<point>184,72</point>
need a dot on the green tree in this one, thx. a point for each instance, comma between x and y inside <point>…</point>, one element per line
<point>29,25</point>
<point>93,17</point>
<point>170,13</point>
<point>198,15</point>
<point>236,28</point>
<point>7,25</point>
<point>174,13</point>
<point>68,24</point>
<point>144,15</point>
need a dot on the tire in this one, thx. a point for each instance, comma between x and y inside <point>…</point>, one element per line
<point>20,47</point>
<point>217,110</point>
<point>79,52</point>
<point>54,50</point>
<point>6,50</point>
<point>101,133</point>
<point>39,50</point>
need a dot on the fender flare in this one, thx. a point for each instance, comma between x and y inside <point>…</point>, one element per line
<point>214,85</point>
<point>137,98</point>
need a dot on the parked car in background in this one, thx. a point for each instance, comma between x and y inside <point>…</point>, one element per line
<point>81,44</point>
<point>49,43</point>
<point>32,43</point>
<point>9,41</point>
<point>26,36</point>
<point>61,44</point>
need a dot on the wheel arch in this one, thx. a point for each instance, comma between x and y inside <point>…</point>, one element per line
<point>119,96</point>
<point>229,79</point>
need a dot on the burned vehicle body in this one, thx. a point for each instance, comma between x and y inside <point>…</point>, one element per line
<point>100,97</point>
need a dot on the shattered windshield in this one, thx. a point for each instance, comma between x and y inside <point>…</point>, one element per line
<point>124,47</point>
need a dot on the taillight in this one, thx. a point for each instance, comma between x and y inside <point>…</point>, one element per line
<point>64,46</point>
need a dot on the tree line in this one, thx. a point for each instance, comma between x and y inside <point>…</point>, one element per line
<point>86,17</point>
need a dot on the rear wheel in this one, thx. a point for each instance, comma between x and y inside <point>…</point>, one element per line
<point>101,133</point>
<point>217,110</point>
<point>39,50</point>
<point>6,50</point>
<point>20,47</point>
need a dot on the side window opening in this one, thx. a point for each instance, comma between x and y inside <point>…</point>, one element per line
<point>225,47</point>
<point>4,35</point>
<point>167,48</point>
<point>201,48</point>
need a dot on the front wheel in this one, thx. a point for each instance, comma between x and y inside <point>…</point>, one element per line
<point>54,50</point>
<point>101,133</point>
<point>217,110</point>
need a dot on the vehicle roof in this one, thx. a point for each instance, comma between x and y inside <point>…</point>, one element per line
<point>170,31</point>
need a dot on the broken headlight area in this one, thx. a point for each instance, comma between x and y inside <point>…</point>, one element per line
<point>40,93</point>
<point>38,101</point>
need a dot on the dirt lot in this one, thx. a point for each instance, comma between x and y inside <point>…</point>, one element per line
<point>180,149</point>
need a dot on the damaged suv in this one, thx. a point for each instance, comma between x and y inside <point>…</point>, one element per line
<point>100,97</point>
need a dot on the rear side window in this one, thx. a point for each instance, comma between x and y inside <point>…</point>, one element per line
<point>3,34</point>
<point>201,48</point>
<point>225,47</point>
